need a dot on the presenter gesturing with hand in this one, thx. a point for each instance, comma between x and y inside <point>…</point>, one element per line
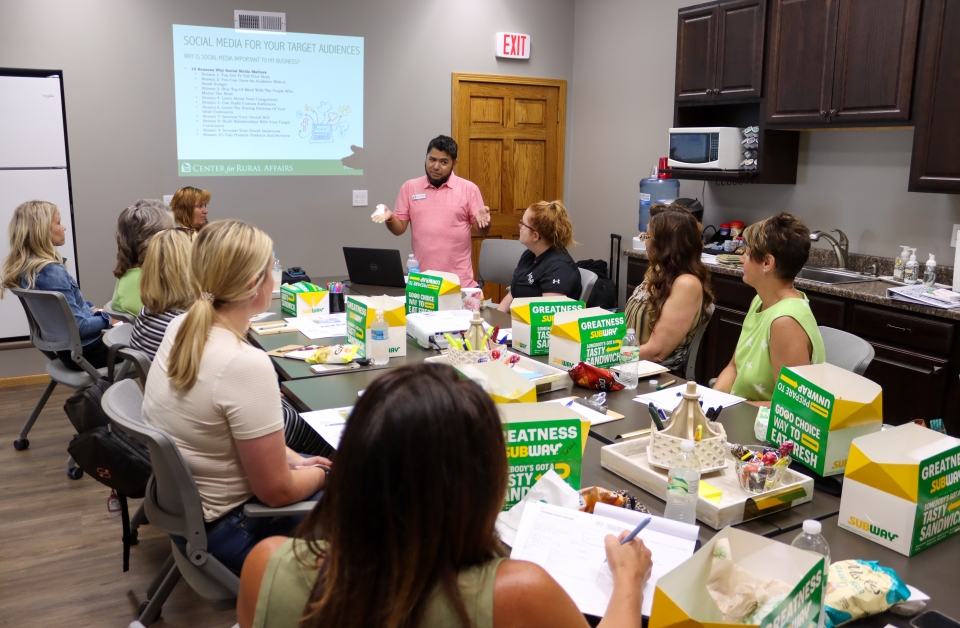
<point>441,207</point>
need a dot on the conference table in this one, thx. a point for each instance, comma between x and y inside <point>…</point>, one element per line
<point>932,571</point>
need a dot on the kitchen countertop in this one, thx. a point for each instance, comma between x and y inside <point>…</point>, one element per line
<point>867,291</point>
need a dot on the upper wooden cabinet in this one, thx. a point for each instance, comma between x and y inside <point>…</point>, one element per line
<point>935,166</point>
<point>841,61</point>
<point>720,50</point>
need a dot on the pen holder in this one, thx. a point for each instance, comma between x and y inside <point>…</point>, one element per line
<point>460,357</point>
<point>336,302</point>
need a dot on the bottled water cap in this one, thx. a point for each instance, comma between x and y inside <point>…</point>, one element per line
<point>688,446</point>
<point>812,527</point>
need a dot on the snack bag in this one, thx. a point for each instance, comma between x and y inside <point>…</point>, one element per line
<point>594,377</point>
<point>590,497</point>
<point>858,588</point>
<point>334,354</point>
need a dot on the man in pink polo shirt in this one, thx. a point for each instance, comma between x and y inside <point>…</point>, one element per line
<point>440,206</point>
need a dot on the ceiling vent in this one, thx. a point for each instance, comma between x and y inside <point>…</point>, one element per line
<point>260,21</point>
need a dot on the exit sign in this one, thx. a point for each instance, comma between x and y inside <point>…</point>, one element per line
<point>513,45</point>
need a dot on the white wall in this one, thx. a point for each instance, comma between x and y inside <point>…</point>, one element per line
<point>624,68</point>
<point>118,83</point>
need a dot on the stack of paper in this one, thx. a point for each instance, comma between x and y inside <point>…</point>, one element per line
<point>920,293</point>
<point>323,326</point>
<point>669,398</point>
<point>329,423</point>
<point>569,545</point>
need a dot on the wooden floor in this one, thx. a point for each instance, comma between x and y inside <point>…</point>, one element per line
<point>60,551</point>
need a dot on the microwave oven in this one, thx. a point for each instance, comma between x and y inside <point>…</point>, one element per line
<point>706,148</point>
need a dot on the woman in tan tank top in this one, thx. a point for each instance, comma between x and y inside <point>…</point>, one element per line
<point>407,525</point>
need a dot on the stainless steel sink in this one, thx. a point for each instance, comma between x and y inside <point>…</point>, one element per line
<point>833,275</point>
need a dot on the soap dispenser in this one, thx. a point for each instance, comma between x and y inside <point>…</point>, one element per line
<point>911,270</point>
<point>930,271</point>
<point>900,262</point>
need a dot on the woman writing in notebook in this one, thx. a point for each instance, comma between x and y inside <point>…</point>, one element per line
<point>405,535</point>
<point>218,398</point>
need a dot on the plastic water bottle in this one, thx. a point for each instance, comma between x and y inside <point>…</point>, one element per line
<point>629,360</point>
<point>683,485</point>
<point>277,272</point>
<point>812,541</point>
<point>413,266</point>
<point>379,340</point>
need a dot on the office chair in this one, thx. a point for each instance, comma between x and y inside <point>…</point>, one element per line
<point>846,350</point>
<point>588,279</point>
<point>172,504</point>
<point>498,260</point>
<point>53,328</point>
<point>689,366</point>
<point>117,314</point>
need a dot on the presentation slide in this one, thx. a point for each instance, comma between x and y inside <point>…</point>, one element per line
<point>266,104</point>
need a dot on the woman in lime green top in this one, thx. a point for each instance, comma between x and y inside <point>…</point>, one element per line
<point>779,330</point>
<point>135,227</point>
<point>407,521</point>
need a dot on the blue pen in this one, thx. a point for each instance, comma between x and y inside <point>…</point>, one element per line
<point>663,415</point>
<point>640,526</point>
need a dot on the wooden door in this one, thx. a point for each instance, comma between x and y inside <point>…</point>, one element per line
<point>913,384</point>
<point>510,132</point>
<point>873,71</point>
<point>800,61</point>
<point>935,166</point>
<point>740,28</point>
<point>696,52</point>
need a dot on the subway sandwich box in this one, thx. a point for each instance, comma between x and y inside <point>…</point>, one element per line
<point>432,291</point>
<point>822,408</point>
<point>304,299</point>
<point>502,383</point>
<point>902,488</point>
<point>592,335</point>
<point>681,599</point>
<point>540,437</point>
<point>362,312</point>
<point>533,319</point>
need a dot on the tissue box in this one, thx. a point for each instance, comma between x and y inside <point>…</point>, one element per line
<point>592,335</point>
<point>902,488</point>
<point>681,599</point>
<point>502,383</point>
<point>304,299</point>
<point>822,408</point>
<point>541,437</point>
<point>362,312</point>
<point>432,291</point>
<point>533,319</point>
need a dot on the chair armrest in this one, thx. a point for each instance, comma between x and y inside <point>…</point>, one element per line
<point>259,510</point>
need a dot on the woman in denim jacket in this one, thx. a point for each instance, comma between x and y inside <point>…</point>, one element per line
<point>35,264</point>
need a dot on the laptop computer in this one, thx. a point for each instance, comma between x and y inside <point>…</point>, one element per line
<point>374,267</point>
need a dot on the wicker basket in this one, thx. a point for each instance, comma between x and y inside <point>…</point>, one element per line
<point>460,357</point>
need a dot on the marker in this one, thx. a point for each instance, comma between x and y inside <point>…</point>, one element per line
<point>716,414</point>
<point>652,409</point>
<point>698,434</point>
<point>667,384</point>
<point>663,415</point>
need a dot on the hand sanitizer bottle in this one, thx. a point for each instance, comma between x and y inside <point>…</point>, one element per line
<point>911,270</point>
<point>900,262</point>
<point>930,271</point>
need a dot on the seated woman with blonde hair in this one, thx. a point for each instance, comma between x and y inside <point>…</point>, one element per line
<point>779,330</point>
<point>404,535</point>
<point>545,268</point>
<point>218,397</point>
<point>668,307</point>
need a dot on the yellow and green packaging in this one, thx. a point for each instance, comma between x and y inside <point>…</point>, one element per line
<point>592,335</point>
<point>902,488</point>
<point>540,437</point>
<point>432,291</point>
<point>822,408</point>
<point>533,319</point>
<point>304,299</point>
<point>362,312</point>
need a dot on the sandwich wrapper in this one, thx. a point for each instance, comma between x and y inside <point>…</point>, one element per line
<point>432,291</point>
<point>549,489</point>
<point>741,594</point>
<point>502,383</point>
<point>683,598</point>
<point>822,408</point>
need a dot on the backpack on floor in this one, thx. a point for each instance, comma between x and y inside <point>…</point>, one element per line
<point>604,293</point>
<point>108,455</point>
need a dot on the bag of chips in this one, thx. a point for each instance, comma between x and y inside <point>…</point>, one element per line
<point>594,377</point>
<point>334,354</point>
<point>858,588</point>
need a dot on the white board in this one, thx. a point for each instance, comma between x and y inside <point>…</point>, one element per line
<point>31,123</point>
<point>17,186</point>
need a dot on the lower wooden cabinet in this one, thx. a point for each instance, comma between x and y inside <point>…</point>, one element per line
<point>914,385</point>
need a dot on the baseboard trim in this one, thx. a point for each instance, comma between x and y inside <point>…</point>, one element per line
<point>24,380</point>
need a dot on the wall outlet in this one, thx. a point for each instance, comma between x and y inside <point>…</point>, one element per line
<point>360,199</point>
<point>953,238</point>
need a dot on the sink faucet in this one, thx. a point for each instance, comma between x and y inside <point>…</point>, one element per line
<point>841,248</point>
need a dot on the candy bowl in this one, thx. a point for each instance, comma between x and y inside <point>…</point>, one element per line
<point>756,477</point>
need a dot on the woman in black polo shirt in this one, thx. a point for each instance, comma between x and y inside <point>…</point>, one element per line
<point>545,268</point>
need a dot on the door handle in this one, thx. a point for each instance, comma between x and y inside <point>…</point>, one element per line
<point>823,113</point>
<point>936,370</point>
<point>905,330</point>
<point>833,112</point>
